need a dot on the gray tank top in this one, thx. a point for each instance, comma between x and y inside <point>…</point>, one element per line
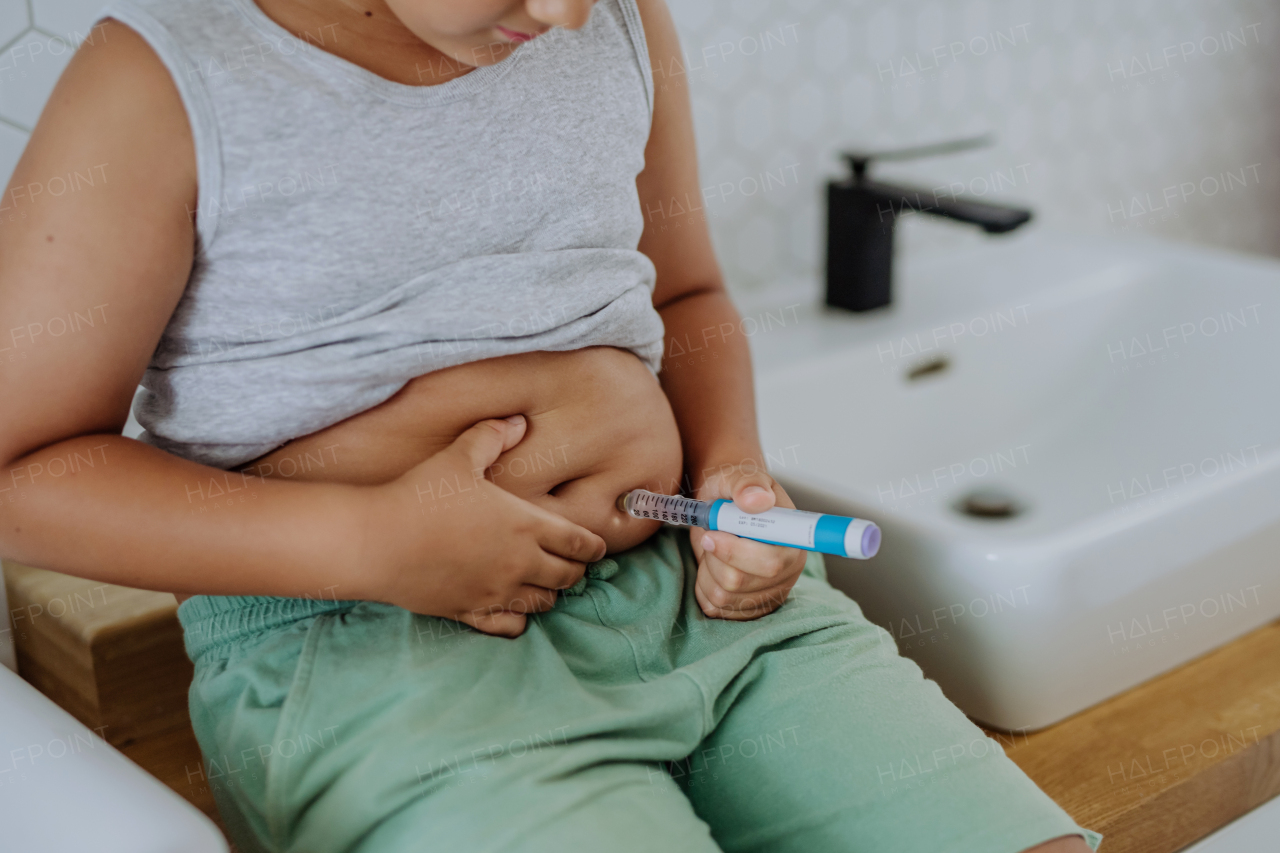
<point>354,232</point>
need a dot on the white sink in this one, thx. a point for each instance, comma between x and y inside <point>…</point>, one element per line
<point>1120,396</point>
<point>62,788</point>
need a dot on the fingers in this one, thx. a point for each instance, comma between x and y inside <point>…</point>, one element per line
<point>554,573</point>
<point>752,492</point>
<point>741,579</point>
<point>748,556</point>
<point>500,617</point>
<point>748,485</point>
<point>515,430</point>
<point>524,599</point>
<point>481,445</point>
<point>561,537</point>
<point>500,623</point>
<point>720,604</point>
<point>531,599</point>
<point>732,579</point>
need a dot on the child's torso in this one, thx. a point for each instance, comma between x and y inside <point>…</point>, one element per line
<point>599,424</point>
<point>356,233</point>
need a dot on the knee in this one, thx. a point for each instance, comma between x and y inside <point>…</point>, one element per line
<point>853,637</point>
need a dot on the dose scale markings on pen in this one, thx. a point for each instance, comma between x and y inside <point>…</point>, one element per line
<point>830,534</point>
<point>672,510</point>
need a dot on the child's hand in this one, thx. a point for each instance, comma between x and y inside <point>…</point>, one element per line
<point>740,578</point>
<point>444,541</point>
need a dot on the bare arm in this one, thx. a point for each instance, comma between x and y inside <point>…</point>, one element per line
<point>77,497</point>
<point>706,369</point>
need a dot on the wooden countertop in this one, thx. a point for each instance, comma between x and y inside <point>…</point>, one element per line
<point>1153,769</point>
<point>1171,760</point>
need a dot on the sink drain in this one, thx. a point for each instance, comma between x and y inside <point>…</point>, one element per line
<point>937,364</point>
<point>990,502</point>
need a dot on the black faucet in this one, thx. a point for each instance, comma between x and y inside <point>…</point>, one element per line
<point>860,217</point>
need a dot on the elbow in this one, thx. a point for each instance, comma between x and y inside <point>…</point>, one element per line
<point>10,455</point>
<point>710,288</point>
<point>13,452</point>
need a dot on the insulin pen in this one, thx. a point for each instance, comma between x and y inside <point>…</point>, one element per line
<point>811,531</point>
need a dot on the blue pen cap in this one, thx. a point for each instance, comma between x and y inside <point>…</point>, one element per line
<point>846,537</point>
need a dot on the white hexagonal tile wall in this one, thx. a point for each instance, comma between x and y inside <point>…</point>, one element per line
<point>796,81</point>
<point>28,71</point>
<point>70,19</point>
<point>13,19</point>
<point>12,141</point>
<point>1043,77</point>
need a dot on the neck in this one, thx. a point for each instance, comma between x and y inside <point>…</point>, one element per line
<point>368,34</point>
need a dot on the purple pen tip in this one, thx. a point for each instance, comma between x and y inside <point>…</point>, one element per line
<point>870,540</point>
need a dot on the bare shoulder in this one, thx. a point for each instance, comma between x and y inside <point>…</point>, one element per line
<point>660,33</point>
<point>116,106</point>
<point>98,222</point>
<point>115,50</point>
<point>115,73</point>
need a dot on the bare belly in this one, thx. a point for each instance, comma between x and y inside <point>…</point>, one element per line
<point>599,425</point>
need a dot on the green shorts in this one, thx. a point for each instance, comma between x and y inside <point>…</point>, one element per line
<point>622,720</point>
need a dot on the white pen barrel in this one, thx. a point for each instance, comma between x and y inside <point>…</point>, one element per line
<point>813,531</point>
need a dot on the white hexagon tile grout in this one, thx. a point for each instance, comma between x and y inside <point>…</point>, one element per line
<point>65,19</point>
<point>21,101</point>
<point>12,141</point>
<point>787,84</point>
<point>1043,77</point>
<point>10,34</point>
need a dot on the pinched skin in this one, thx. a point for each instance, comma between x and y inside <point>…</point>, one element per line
<point>599,426</point>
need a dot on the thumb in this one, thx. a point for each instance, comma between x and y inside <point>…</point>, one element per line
<point>481,445</point>
<point>751,491</point>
